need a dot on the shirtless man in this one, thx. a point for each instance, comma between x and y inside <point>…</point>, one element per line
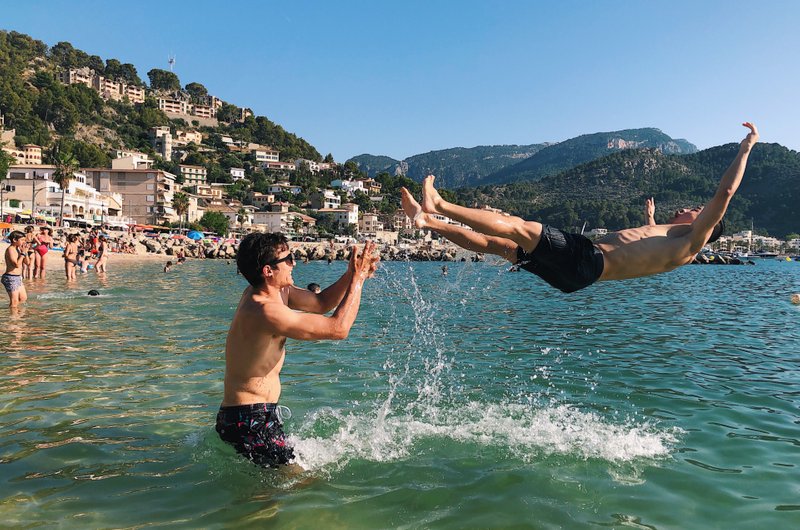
<point>16,255</point>
<point>266,316</point>
<point>570,262</point>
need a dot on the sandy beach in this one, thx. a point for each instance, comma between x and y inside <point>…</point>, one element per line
<point>55,262</point>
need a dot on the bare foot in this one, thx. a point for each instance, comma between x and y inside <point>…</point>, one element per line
<point>430,197</point>
<point>413,209</point>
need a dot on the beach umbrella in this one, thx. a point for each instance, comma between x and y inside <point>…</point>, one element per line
<point>4,225</point>
<point>194,234</point>
<point>178,236</point>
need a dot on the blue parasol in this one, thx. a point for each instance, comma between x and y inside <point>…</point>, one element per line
<point>194,234</point>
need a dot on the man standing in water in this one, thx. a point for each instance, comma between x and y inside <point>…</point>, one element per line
<point>249,418</point>
<point>570,262</point>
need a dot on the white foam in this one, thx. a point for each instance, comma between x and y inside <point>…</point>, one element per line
<point>521,431</point>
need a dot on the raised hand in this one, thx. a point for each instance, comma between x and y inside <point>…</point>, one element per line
<point>752,137</point>
<point>650,207</point>
<point>365,263</point>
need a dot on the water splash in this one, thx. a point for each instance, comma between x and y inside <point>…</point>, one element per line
<point>424,400</point>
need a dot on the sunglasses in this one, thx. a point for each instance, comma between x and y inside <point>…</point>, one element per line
<point>289,258</point>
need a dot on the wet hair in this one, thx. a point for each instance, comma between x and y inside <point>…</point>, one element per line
<point>313,287</point>
<point>72,238</point>
<point>29,228</point>
<point>257,250</point>
<point>94,292</point>
<point>718,230</point>
<point>16,234</point>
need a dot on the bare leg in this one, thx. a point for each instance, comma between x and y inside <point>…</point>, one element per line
<point>466,239</point>
<point>524,233</point>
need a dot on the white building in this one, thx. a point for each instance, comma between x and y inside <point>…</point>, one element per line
<point>237,173</point>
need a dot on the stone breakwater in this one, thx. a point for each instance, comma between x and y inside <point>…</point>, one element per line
<point>168,246</point>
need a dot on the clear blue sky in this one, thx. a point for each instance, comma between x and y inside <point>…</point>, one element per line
<point>406,77</point>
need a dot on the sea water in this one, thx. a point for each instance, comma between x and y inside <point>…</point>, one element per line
<point>479,399</point>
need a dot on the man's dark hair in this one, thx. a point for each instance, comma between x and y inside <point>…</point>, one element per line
<point>718,230</point>
<point>257,250</point>
<point>16,234</point>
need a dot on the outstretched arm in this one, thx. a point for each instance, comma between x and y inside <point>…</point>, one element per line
<point>715,209</point>
<point>300,326</point>
<point>305,300</point>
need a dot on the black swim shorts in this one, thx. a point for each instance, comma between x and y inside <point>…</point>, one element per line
<point>256,432</point>
<point>568,262</point>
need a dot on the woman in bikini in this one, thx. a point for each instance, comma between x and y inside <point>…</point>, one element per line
<point>30,242</point>
<point>43,247</point>
<point>71,256</point>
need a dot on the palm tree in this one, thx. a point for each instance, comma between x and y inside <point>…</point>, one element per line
<point>66,166</point>
<point>241,216</point>
<point>180,201</point>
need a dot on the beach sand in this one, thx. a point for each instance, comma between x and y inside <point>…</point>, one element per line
<point>55,262</point>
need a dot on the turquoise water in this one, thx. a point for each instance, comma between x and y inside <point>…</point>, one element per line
<point>483,399</point>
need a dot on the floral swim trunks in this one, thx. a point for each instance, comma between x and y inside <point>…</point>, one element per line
<point>12,282</point>
<point>256,432</point>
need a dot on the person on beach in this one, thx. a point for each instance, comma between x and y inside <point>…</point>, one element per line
<point>71,262</point>
<point>30,240</point>
<point>249,417</point>
<point>102,255</point>
<point>16,255</point>
<point>168,266</point>
<point>44,242</point>
<point>570,262</point>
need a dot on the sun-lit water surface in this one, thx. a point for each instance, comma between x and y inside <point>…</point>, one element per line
<point>483,399</point>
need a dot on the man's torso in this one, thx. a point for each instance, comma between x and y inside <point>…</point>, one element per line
<point>254,356</point>
<point>644,251</point>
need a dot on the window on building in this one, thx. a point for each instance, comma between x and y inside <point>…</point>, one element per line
<point>151,186</point>
<point>151,198</point>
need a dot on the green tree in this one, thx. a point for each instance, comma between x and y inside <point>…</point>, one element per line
<point>124,72</point>
<point>215,222</point>
<point>163,80</point>
<point>228,113</point>
<point>196,90</point>
<point>241,216</point>
<point>66,166</point>
<point>180,201</point>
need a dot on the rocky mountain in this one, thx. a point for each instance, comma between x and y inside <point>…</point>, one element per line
<point>454,167</point>
<point>610,192</point>
<point>570,153</point>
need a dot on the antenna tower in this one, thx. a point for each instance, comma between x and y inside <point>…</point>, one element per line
<point>171,61</point>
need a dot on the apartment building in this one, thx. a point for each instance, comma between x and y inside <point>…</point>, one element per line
<point>237,173</point>
<point>346,215</point>
<point>161,139</point>
<point>173,106</point>
<point>146,193</point>
<point>107,88</point>
<point>261,200</point>
<point>325,199</point>
<point>264,154</point>
<point>369,224</point>
<point>131,160</point>
<point>401,222</point>
<point>193,175</point>
<point>284,187</point>
<point>312,165</point>
<point>278,166</point>
<point>34,188</point>
<point>29,155</point>
<point>187,137</point>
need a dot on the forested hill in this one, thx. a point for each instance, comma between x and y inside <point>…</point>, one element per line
<point>43,110</point>
<point>610,192</point>
<point>456,167</point>
<point>569,153</point>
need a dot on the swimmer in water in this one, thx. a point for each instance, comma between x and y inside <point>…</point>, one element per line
<point>570,262</point>
<point>249,417</point>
